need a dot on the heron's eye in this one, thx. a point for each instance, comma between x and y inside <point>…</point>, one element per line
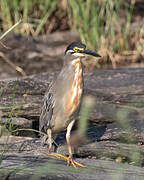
<point>77,49</point>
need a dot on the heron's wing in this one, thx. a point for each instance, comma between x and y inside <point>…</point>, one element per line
<point>46,111</point>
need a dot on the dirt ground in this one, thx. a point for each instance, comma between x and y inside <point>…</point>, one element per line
<point>24,56</point>
<point>27,55</point>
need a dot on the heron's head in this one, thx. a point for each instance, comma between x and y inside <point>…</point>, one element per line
<point>78,49</point>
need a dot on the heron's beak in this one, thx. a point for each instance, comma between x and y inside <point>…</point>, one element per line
<point>88,52</point>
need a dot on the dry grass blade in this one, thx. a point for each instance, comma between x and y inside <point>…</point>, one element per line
<point>10,29</point>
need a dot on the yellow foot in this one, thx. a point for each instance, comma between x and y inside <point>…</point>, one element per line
<point>57,155</point>
<point>68,159</point>
<point>74,163</point>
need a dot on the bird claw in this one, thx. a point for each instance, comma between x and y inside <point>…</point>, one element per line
<point>74,163</point>
<point>68,159</point>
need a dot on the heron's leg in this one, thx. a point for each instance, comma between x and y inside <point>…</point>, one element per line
<point>70,158</point>
<point>43,140</point>
<point>69,145</point>
<point>68,137</point>
<point>49,141</point>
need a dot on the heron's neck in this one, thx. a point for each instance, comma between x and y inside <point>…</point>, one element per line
<point>76,63</point>
<point>75,94</point>
<point>78,73</point>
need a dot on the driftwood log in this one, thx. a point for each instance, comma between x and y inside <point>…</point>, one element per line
<point>116,127</point>
<point>46,168</point>
<point>118,95</point>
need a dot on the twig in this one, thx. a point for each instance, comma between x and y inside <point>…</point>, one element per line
<point>4,45</point>
<point>17,68</point>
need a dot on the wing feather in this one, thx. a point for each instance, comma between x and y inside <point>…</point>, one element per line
<point>46,111</point>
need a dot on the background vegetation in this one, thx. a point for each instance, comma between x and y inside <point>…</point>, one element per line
<point>103,25</point>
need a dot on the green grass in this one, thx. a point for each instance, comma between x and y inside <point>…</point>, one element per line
<point>34,14</point>
<point>8,124</point>
<point>100,25</point>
